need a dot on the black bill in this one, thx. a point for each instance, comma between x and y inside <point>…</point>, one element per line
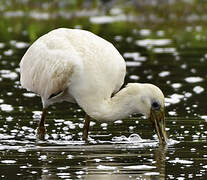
<point>158,119</point>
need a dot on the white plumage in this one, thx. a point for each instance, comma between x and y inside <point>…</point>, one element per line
<point>81,67</point>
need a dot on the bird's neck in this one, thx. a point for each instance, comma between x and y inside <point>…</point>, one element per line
<point>119,106</point>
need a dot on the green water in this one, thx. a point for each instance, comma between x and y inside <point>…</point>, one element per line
<point>169,50</point>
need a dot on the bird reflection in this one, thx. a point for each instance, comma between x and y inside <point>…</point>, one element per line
<point>160,158</point>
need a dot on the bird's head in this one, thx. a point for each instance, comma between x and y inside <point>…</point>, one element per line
<point>151,104</point>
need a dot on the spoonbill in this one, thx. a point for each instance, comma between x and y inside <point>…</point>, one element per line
<point>80,67</point>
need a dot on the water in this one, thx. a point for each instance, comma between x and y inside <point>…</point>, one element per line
<point>172,55</point>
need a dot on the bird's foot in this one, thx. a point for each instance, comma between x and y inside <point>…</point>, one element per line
<point>41,131</point>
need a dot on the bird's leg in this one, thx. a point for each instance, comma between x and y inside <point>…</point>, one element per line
<point>86,127</point>
<point>41,131</point>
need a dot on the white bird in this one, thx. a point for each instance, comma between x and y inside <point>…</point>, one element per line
<point>80,67</point>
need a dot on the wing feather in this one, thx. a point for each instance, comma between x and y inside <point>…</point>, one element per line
<point>47,66</point>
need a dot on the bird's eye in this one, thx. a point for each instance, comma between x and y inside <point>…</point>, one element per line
<point>55,94</point>
<point>155,105</point>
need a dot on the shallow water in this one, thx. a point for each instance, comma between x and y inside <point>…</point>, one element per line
<point>172,57</point>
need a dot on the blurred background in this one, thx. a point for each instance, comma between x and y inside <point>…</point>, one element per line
<point>164,42</point>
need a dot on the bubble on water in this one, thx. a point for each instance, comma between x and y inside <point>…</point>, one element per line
<point>6,107</point>
<point>193,79</point>
<point>119,138</point>
<point>140,167</point>
<point>134,137</point>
